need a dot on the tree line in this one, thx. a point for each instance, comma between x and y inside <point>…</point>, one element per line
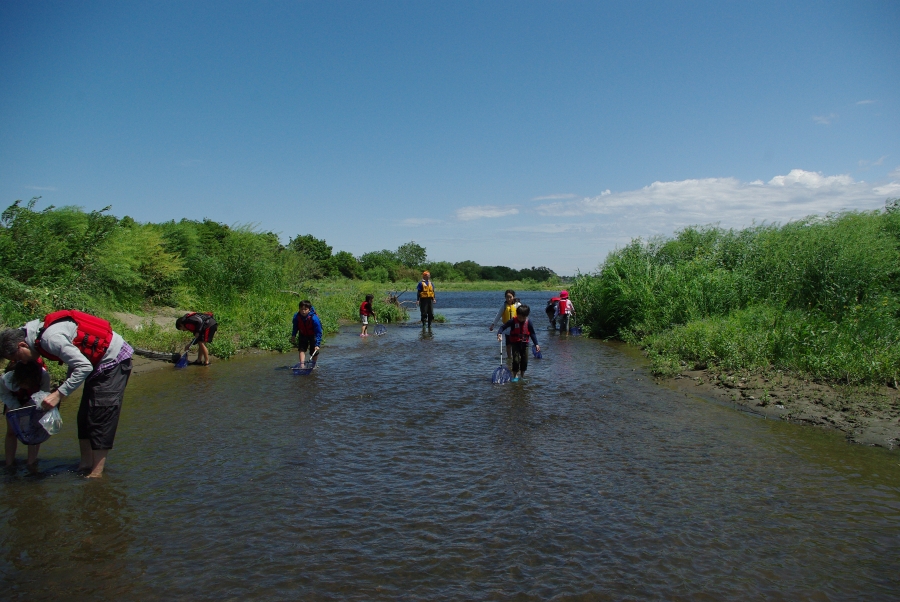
<point>68,257</point>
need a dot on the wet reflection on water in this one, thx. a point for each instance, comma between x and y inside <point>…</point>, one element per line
<point>396,470</point>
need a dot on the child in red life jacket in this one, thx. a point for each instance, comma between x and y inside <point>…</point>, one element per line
<point>204,327</point>
<point>22,380</point>
<point>564,310</point>
<point>365,310</point>
<point>307,331</point>
<point>521,332</point>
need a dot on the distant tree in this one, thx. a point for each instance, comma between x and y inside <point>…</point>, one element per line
<point>411,254</point>
<point>541,274</point>
<point>443,270</point>
<point>314,248</point>
<point>384,258</point>
<point>345,264</point>
<point>499,272</point>
<point>470,270</point>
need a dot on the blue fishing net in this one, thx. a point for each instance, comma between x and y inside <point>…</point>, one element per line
<point>380,329</point>
<point>537,354</point>
<point>501,375</point>
<point>25,423</point>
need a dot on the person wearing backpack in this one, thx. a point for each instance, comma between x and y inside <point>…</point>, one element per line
<point>521,333</point>
<point>204,327</point>
<point>307,332</point>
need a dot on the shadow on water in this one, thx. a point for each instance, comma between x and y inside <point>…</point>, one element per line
<point>397,470</point>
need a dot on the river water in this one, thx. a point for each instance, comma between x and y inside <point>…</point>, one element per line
<point>396,470</point>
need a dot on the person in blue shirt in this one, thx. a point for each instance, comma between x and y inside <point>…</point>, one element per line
<point>307,333</point>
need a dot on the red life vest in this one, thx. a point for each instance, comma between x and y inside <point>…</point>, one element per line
<point>364,310</point>
<point>93,337</point>
<point>563,306</point>
<point>305,325</point>
<point>196,325</point>
<point>519,332</point>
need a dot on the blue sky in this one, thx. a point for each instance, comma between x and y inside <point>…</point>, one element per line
<point>512,133</point>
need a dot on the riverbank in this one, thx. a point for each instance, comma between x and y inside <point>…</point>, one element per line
<point>866,415</point>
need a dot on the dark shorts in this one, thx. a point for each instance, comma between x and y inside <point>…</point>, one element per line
<point>306,343</point>
<point>519,357</point>
<point>101,403</point>
<point>206,335</point>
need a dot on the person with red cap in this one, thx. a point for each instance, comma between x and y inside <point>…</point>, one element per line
<point>564,311</point>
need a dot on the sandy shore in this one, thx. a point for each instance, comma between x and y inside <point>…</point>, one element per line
<point>866,416</point>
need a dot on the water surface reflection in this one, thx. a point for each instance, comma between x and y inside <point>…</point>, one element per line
<point>396,470</point>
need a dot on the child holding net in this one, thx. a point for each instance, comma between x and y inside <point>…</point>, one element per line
<point>521,332</point>
<point>21,381</point>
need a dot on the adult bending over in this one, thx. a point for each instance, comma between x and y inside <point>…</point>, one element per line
<point>97,357</point>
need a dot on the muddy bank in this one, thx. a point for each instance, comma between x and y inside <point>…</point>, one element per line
<point>869,416</point>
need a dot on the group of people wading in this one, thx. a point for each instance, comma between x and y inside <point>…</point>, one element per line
<point>96,357</point>
<point>519,329</point>
<point>100,359</point>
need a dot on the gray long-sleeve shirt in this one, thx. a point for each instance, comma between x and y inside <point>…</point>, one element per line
<point>57,340</point>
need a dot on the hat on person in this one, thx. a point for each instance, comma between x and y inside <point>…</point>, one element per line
<point>564,294</point>
<point>426,273</point>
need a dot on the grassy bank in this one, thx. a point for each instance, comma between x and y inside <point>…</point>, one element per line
<point>819,298</point>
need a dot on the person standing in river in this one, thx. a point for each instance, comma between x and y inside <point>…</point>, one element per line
<point>204,327</point>
<point>97,357</point>
<point>425,299</point>
<point>507,312</point>
<point>564,311</point>
<point>521,332</point>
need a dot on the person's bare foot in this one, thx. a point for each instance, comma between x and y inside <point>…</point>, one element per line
<point>93,475</point>
<point>83,469</point>
<point>32,468</point>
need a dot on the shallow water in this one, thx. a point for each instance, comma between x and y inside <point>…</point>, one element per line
<point>397,471</point>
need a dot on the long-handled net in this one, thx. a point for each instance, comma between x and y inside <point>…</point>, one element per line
<point>183,362</point>
<point>501,374</point>
<point>307,367</point>
<point>25,423</point>
<point>379,329</point>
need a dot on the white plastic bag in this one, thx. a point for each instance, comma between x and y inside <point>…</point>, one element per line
<point>51,421</point>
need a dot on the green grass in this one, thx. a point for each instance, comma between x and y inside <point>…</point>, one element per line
<point>818,297</point>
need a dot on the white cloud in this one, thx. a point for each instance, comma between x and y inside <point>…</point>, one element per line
<point>667,206</point>
<point>809,179</point>
<point>895,173</point>
<point>466,214</point>
<point>44,188</point>
<point>866,102</point>
<point>824,119</point>
<point>892,189</point>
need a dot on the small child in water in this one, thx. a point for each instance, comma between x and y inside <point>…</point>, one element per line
<point>307,332</point>
<point>507,312</point>
<point>16,388</point>
<point>365,310</point>
<point>521,332</point>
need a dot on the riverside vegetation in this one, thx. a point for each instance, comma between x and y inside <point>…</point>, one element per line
<point>68,258</point>
<point>816,300</point>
